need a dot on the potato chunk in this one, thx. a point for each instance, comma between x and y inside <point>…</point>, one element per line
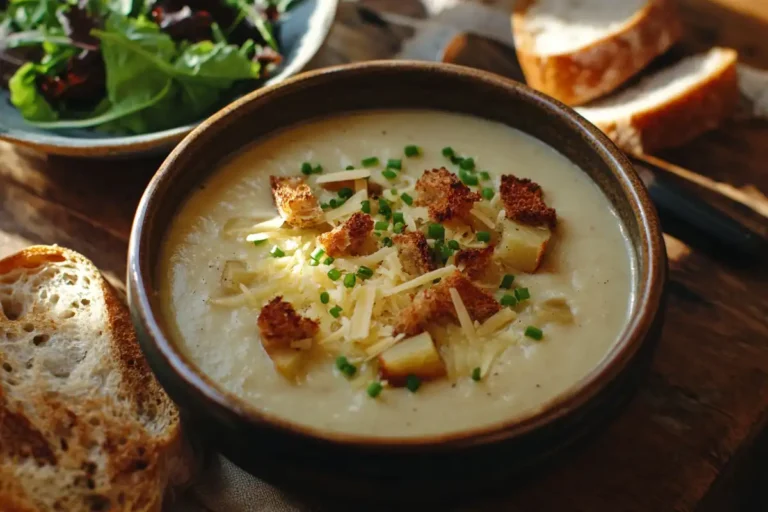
<point>522,247</point>
<point>412,356</point>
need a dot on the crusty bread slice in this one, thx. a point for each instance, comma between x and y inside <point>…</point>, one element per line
<point>672,106</point>
<point>579,50</point>
<point>84,425</point>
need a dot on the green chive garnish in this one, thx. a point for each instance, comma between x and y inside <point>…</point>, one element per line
<point>365,206</point>
<point>386,241</point>
<point>393,192</point>
<point>349,168</point>
<point>313,263</point>
<point>476,374</point>
<point>325,206</point>
<point>398,217</point>
<point>406,199</point>
<point>522,294</point>
<point>325,298</point>
<point>344,366</point>
<point>374,389</point>
<point>371,161</point>
<point>328,260</point>
<point>364,272</point>
<point>318,169</point>
<point>306,168</point>
<point>398,227</point>
<point>468,178</point>
<point>436,231</point>
<point>384,208</point>
<point>485,176</point>
<point>390,175</point>
<point>345,193</point>
<point>381,225</point>
<point>534,332</point>
<point>259,242</point>
<point>506,281</point>
<point>341,362</point>
<point>488,193</point>
<point>276,252</point>
<point>453,244</point>
<point>335,203</point>
<point>349,371</point>
<point>334,274</point>
<point>448,152</point>
<point>317,253</point>
<point>468,164</point>
<point>456,160</point>
<point>349,280</point>
<point>335,311</point>
<point>412,151</point>
<point>395,163</point>
<point>413,383</point>
<point>508,300</point>
<point>483,236</point>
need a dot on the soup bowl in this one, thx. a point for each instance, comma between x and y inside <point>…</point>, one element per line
<point>286,452</point>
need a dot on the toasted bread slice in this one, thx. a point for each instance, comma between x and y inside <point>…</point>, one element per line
<point>672,106</point>
<point>579,50</point>
<point>84,425</point>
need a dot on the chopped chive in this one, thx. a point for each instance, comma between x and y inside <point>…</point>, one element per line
<point>259,242</point>
<point>276,252</point>
<point>364,272</point>
<point>328,260</point>
<point>341,362</point>
<point>325,206</point>
<point>453,244</point>
<point>483,236</point>
<point>325,298</point>
<point>476,374</point>
<point>468,178</point>
<point>374,389</point>
<point>398,227</point>
<point>406,199</point>
<point>413,383</point>
<point>386,241</point>
<point>365,206</point>
<point>390,175</point>
<point>381,225</point>
<point>485,176</point>
<point>335,311</point>
<point>448,152</point>
<point>384,208</point>
<point>371,161</point>
<point>317,253</point>
<point>411,150</point>
<point>435,281</point>
<point>349,168</point>
<point>534,332</point>
<point>376,233</point>
<point>395,163</point>
<point>488,193</point>
<point>318,169</point>
<point>522,294</point>
<point>335,203</point>
<point>346,193</point>
<point>350,280</point>
<point>436,231</point>
<point>508,300</point>
<point>456,160</point>
<point>467,164</point>
<point>349,370</point>
<point>446,252</point>
<point>506,281</point>
<point>393,192</point>
<point>398,217</point>
<point>313,263</point>
<point>306,168</point>
<point>334,274</point>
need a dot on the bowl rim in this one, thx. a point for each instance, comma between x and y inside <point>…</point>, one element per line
<point>648,295</point>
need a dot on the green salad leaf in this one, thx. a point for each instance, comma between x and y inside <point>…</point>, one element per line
<point>26,97</point>
<point>34,14</point>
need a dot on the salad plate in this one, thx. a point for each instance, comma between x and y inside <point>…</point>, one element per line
<point>298,35</point>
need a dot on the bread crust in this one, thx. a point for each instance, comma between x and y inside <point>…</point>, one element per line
<point>351,238</point>
<point>682,118</point>
<point>295,201</point>
<point>444,195</point>
<point>523,202</point>
<point>578,76</point>
<point>413,251</point>
<point>279,325</point>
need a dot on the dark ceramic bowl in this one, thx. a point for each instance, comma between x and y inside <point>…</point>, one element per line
<point>281,451</point>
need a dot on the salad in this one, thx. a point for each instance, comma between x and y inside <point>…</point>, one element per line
<point>133,66</point>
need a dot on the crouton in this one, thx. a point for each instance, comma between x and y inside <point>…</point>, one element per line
<point>435,303</point>
<point>416,355</point>
<point>352,238</point>
<point>474,262</point>
<point>295,201</point>
<point>414,253</point>
<point>445,196</point>
<point>523,202</point>
<point>279,325</point>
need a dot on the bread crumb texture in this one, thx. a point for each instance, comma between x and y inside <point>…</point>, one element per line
<point>84,425</point>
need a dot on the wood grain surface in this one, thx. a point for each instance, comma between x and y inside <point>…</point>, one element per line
<point>690,440</point>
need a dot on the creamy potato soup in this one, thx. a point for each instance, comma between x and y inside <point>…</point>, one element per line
<point>397,274</point>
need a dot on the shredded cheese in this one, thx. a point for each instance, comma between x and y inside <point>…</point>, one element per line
<point>461,311</point>
<point>272,224</point>
<point>496,322</point>
<point>355,174</point>
<point>483,218</point>
<point>373,259</point>
<point>382,345</point>
<point>421,280</point>
<point>351,206</point>
<point>360,326</point>
<point>409,221</point>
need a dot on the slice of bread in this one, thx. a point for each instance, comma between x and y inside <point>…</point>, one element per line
<point>579,50</point>
<point>84,425</point>
<point>672,106</point>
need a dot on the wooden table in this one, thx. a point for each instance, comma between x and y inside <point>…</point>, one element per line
<point>690,438</point>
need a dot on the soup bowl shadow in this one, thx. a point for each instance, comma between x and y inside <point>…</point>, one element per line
<point>312,459</point>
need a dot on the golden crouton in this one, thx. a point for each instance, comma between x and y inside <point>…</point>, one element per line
<point>295,201</point>
<point>414,254</point>
<point>435,303</point>
<point>445,196</point>
<point>349,239</point>
<point>279,325</point>
<point>523,202</point>
<point>474,262</point>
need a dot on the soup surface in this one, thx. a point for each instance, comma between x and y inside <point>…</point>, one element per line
<point>228,254</point>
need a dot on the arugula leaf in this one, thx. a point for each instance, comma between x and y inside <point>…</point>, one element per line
<point>34,14</point>
<point>26,97</point>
